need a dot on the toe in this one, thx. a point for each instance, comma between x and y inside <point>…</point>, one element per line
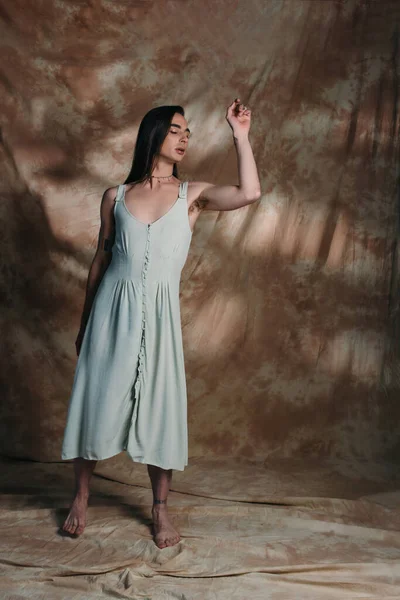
<point>73,526</point>
<point>171,541</point>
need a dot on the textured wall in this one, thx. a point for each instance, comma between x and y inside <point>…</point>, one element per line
<point>289,306</point>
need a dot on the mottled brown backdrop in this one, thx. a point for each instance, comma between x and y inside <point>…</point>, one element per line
<point>289,306</point>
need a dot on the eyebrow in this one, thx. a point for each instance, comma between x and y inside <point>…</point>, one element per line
<point>176,125</point>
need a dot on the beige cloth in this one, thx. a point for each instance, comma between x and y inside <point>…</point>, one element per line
<point>305,530</point>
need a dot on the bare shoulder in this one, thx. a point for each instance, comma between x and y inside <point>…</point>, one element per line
<point>194,195</point>
<point>109,195</point>
<point>107,204</point>
<point>107,225</point>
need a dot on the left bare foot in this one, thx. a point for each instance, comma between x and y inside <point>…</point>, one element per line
<point>164,533</point>
<point>76,521</point>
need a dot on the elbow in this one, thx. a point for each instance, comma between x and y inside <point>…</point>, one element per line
<point>253,196</point>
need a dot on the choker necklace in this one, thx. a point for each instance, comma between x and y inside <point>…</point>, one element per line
<point>165,177</point>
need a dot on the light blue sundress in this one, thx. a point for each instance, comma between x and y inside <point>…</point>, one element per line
<point>129,388</point>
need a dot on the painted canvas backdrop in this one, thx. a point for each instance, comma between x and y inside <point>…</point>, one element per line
<point>289,306</point>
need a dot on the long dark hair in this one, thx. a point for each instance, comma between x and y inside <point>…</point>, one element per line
<point>153,130</point>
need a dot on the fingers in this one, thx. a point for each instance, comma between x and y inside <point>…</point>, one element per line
<point>236,104</point>
<point>238,107</point>
<point>242,108</point>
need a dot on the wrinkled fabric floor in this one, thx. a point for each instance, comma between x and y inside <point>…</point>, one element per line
<point>279,529</point>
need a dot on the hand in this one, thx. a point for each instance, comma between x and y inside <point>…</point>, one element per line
<point>238,117</point>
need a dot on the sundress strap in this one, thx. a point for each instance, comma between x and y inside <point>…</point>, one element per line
<point>183,189</point>
<point>118,197</point>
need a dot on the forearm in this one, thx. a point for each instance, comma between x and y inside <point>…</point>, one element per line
<point>249,182</point>
<point>230,197</point>
<point>96,273</point>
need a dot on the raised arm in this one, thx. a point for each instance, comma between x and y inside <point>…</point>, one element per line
<point>207,196</point>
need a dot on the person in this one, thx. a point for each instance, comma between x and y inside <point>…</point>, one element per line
<point>129,389</point>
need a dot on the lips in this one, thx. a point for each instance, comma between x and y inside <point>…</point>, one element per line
<point>180,151</point>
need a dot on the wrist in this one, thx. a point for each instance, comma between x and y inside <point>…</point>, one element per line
<point>239,137</point>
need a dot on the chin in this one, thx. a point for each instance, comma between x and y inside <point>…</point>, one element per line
<point>178,158</point>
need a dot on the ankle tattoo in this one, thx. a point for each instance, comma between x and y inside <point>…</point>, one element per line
<point>157,501</point>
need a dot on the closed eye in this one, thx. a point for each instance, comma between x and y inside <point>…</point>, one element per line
<point>188,135</point>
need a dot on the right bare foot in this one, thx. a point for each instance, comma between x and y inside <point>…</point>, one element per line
<point>164,533</point>
<point>76,521</point>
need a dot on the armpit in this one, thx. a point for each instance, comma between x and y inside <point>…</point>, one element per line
<point>198,205</point>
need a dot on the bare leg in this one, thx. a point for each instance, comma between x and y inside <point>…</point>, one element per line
<point>164,533</point>
<point>76,520</point>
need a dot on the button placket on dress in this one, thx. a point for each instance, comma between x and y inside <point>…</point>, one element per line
<point>143,325</point>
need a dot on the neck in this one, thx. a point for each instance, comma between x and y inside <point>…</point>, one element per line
<point>162,169</point>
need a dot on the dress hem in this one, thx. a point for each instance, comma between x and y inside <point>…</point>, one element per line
<point>138,459</point>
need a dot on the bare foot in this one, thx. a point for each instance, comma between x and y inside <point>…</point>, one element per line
<point>164,533</point>
<point>76,521</point>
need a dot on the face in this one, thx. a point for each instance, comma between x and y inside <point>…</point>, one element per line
<point>176,142</point>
